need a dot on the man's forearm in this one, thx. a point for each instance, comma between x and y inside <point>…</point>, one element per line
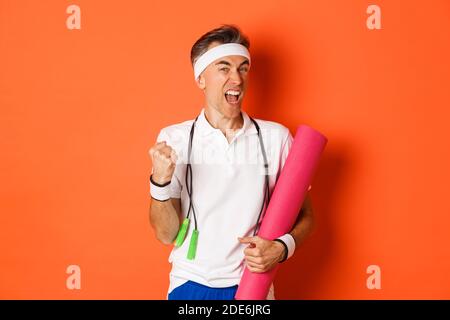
<point>164,220</point>
<point>303,226</point>
<point>304,223</point>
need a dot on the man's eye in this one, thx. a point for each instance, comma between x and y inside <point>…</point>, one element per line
<point>244,69</point>
<point>224,69</point>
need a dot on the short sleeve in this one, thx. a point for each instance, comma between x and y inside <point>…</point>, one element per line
<point>175,184</point>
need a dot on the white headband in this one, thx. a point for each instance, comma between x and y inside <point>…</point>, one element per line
<point>227,49</point>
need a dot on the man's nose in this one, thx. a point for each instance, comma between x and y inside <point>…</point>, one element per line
<point>236,77</point>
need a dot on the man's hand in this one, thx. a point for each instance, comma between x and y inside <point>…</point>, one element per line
<point>262,255</point>
<point>164,160</point>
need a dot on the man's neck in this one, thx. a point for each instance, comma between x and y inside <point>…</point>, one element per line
<point>220,121</point>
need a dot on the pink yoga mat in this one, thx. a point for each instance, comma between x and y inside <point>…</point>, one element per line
<point>285,204</point>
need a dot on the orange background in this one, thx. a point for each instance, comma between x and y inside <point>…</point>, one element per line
<point>81,108</point>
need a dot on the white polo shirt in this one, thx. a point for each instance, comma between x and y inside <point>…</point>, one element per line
<point>228,191</point>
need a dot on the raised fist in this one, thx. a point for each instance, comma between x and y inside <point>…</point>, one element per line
<point>164,160</point>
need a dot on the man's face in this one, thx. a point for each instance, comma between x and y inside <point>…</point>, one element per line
<point>224,83</point>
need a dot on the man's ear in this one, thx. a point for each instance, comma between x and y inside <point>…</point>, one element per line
<point>201,82</point>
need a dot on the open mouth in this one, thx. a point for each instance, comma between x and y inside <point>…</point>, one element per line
<point>232,96</point>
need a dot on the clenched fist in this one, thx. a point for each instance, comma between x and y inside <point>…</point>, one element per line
<point>164,160</point>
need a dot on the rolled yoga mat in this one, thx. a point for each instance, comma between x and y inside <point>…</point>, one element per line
<point>285,204</point>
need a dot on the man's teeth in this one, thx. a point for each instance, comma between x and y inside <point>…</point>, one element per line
<point>234,93</point>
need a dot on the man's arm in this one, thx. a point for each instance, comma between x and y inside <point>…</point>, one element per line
<point>164,215</point>
<point>305,222</point>
<point>263,255</point>
<point>165,219</point>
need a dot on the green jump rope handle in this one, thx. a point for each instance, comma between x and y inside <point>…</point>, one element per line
<point>182,233</point>
<point>193,245</point>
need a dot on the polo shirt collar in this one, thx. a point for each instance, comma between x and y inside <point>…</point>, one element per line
<point>205,128</point>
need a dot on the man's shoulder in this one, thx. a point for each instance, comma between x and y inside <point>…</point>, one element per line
<point>272,126</point>
<point>175,134</point>
<point>185,125</point>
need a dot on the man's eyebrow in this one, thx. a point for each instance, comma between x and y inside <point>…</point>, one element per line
<point>228,64</point>
<point>244,62</point>
<point>223,62</point>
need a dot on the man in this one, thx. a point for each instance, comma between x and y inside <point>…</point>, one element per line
<point>205,169</point>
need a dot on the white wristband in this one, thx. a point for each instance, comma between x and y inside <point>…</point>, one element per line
<point>288,239</point>
<point>158,192</point>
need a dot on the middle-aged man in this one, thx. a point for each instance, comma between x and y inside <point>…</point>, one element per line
<point>209,184</point>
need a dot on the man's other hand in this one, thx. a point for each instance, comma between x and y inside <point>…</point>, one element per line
<point>262,255</point>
